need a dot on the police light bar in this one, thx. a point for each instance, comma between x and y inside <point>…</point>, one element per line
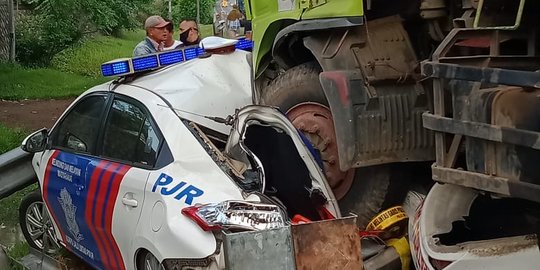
<point>126,66</point>
<point>244,44</point>
<point>117,67</point>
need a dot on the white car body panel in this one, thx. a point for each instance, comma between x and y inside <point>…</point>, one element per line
<point>107,222</point>
<point>213,86</point>
<point>446,203</point>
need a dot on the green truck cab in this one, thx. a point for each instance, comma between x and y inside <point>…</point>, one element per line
<point>347,74</point>
<point>269,17</point>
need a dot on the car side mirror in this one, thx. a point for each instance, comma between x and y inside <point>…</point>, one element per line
<point>35,142</point>
<point>73,142</point>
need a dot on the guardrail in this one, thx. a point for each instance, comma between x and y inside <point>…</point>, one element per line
<point>16,171</point>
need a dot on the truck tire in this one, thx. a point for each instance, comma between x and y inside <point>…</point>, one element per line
<point>362,191</point>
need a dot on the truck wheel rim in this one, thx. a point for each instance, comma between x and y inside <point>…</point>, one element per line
<point>315,121</point>
<point>38,225</point>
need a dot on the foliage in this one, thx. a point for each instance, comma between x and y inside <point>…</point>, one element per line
<point>24,83</point>
<point>105,15</point>
<point>54,25</point>
<point>16,252</point>
<point>39,38</point>
<point>85,58</point>
<point>9,139</point>
<point>188,9</point>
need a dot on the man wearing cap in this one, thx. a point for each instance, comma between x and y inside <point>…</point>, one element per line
<point>156,35</point>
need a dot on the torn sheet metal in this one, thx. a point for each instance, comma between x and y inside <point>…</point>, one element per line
<point>330,244</point>
<point>269,249</point>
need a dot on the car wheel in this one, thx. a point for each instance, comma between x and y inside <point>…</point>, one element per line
<point>299,94</point>
<point>36,225</point>
<point>147,261</point>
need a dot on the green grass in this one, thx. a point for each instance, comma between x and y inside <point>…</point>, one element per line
<point>43,83</point>
<point>10,138</point>
<point>9,215</point>
<point>206,30</point>
<point>18,251</point>
<point>86,58</point>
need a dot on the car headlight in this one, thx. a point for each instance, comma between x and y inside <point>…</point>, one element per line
<point>236,215</point>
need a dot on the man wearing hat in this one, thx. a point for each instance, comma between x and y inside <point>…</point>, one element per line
<point>156,35</point>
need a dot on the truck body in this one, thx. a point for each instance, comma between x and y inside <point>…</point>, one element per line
<point>366,97</point>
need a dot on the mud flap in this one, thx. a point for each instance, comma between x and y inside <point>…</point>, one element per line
<point>338,88</point>
<point>329,244</point>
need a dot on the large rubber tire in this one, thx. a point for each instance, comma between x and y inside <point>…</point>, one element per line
<point>298,84</point>
<point>369,193</point>
<point>32,204</point>
<point>375,189</point>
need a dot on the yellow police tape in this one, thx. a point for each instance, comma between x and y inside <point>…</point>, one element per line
<point>401,246</point>
<point>388,219</point>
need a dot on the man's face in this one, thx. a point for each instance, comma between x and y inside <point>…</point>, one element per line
<point>192,28</point>
<point>169,34</point>
<point>158,34</point>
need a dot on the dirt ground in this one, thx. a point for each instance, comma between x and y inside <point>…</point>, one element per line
<point>32,114</point>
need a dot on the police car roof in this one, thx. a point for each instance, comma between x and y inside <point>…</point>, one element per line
<point>212,86</point>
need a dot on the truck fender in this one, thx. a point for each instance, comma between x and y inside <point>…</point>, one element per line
<point>283,59</point>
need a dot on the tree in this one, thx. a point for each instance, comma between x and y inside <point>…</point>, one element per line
<point>188,9</point>
<point>53,25</point>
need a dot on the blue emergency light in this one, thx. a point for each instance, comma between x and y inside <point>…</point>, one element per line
<point>145,63</point>
<point>244,44</point>
<point>125,66</point>
<point>171,57</point>
<point>192,53</point>
<point>116,68</point>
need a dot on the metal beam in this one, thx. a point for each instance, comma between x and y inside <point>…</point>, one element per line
<point>485,75</point>
<point>494,184</point>
<point>483,131</point>
<point>16,171</point>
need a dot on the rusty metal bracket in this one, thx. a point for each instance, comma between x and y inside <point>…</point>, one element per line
<point>482,131</point>
<point>485,75</point>
<point>499,185</point>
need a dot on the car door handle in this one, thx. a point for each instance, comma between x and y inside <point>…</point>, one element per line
<point>130,202</point>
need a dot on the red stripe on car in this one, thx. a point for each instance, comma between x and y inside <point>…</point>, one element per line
<point>113,196</point>
<point>90,199</point>
<point>45,195</point>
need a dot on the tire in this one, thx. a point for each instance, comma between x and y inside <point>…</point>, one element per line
<point>147,261</point>
<point>32,216</point>
<point>373,187</point>
<point>299,84</point>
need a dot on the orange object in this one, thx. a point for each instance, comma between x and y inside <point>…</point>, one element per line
<point>299,219</point>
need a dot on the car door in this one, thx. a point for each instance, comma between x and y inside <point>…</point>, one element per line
<point>93,182</point>
<point>65,173</point>
<point>132,140</point>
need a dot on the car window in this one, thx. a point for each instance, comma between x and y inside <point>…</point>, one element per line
<point>130,135</point>
<point>79,129</point>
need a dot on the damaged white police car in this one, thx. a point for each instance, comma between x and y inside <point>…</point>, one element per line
<point>139,173</point>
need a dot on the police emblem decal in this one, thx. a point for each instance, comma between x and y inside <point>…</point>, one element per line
<point>69,211</point>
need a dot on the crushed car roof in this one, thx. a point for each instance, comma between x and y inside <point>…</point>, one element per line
<point>213,86</point>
